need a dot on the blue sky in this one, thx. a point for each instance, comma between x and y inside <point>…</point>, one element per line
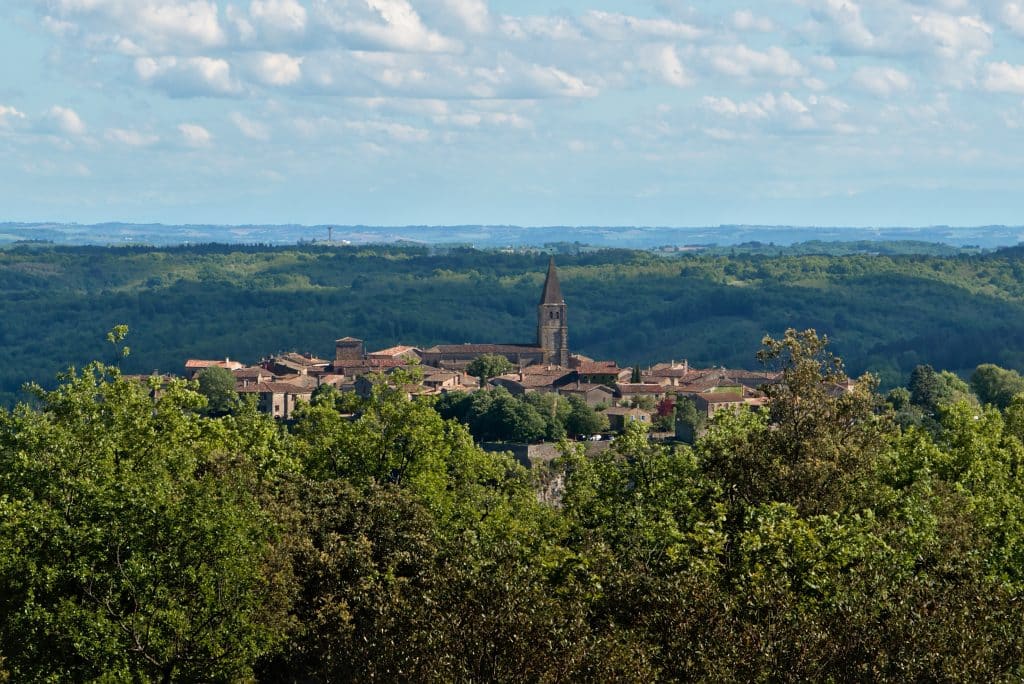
<point>596,112</point>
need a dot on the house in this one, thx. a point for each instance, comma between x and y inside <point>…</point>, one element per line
<point>602,372</point>
<point>277,399</point>
<point>443,380</point>
<point>620,416</point>
<point>535,379</point>
<point>348,349</point>
<point>252,375</point>
<point>294,363</point>
<point>632,391</point>
<point>734,398</point>
<point>193,366</point>
<point>591,394</point>
<point>400,352</point>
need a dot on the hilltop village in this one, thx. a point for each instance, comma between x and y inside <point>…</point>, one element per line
<point>547,365</point>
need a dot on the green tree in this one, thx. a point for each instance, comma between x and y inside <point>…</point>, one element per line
<point>487,366</point>
<point>135,546</point>
<point>583,420</point>
<point>217,384</point>
<point>995,385</point>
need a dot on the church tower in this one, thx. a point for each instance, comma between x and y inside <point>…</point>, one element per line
<point>552,326</point>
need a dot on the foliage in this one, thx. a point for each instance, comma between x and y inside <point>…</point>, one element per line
<point>217,384</point>
<point>995,385</point>
<point>487,366</point>
<point>372,539</point>
<point>631,306</point>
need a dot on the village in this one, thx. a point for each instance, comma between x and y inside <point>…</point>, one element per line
<point>282,382</point>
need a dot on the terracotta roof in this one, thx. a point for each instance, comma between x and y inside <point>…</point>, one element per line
<point>599,368</point>
<point>552,293</point>
<point>369,364</point>
<point>204,363</point>
<point>348,339</point>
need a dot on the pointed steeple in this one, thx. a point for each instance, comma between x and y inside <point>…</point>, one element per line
<point>552,289</point>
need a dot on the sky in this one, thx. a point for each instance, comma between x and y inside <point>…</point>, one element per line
<point>581,112</point>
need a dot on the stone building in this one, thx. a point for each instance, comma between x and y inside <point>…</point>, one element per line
<point>551,348</point>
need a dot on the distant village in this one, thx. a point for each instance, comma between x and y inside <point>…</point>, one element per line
<point>624,395</point>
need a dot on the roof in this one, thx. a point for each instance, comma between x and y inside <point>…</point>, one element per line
<point>640,388</point>
<point>599,368</point>
<point>399,350</point>
<point>298,359</point>
<point>483,349</point>
<point>204,363</point>
<point>552,288</point>
<point>624,411</point>
<point>370,364</point>
<point>584,387</point>
<point>348,339</point>
<point>275,387</point>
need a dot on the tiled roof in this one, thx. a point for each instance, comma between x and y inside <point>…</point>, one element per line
<point>204,363</point>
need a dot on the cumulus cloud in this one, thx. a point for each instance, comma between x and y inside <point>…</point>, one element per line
<point>615,27</point>
<point>131,138</point>
<point>66,121</point>
<point>195,135</point>
<point>387,25</point>
<point>249,128</point>
<point>160,25</point>
<point>1002,77</point>
<point>474,15</point>
<point>184,77</point>
<point>664,62</point>
<point>881,81</point>
<point>278,19</point>
<point>745,20</point>
<point>8,114</point>
<point>278,69</point>
<point>744,62</point>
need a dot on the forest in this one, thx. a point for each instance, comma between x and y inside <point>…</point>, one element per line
<point>826,538</point>
<point>886,312</point>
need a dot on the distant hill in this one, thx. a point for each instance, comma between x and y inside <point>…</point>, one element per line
<point>631,237</point>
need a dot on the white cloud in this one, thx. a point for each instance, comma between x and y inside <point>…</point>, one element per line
<point>554,81</point>
<point>66,121</point>
<point>195,135</point>
<point>249,128</point>
<point>745,20</point>
<point>395,131</point>
<point>388,25</point>
<point>279,69</point>
<point>1002,77</point>
<point>189,76</point>
<point>278,19</point>
<point>664,62</point>
<point>615,27</point>
<point>881,81</point>
<point>130,137</point>
<point>156,25</point>
<point>1012,15</point>
<point>9,113</point>
<point>537,27</point>
<point>744,62</point>
<point>473,14</point>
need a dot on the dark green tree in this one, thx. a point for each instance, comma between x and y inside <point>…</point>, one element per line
<point>995,385</point>
<point>218,386</point>
<point>487,366</point>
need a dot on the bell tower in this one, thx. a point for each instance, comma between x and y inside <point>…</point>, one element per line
<point>552,326</point>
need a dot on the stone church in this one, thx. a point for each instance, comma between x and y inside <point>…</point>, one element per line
<point>551,348</point>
